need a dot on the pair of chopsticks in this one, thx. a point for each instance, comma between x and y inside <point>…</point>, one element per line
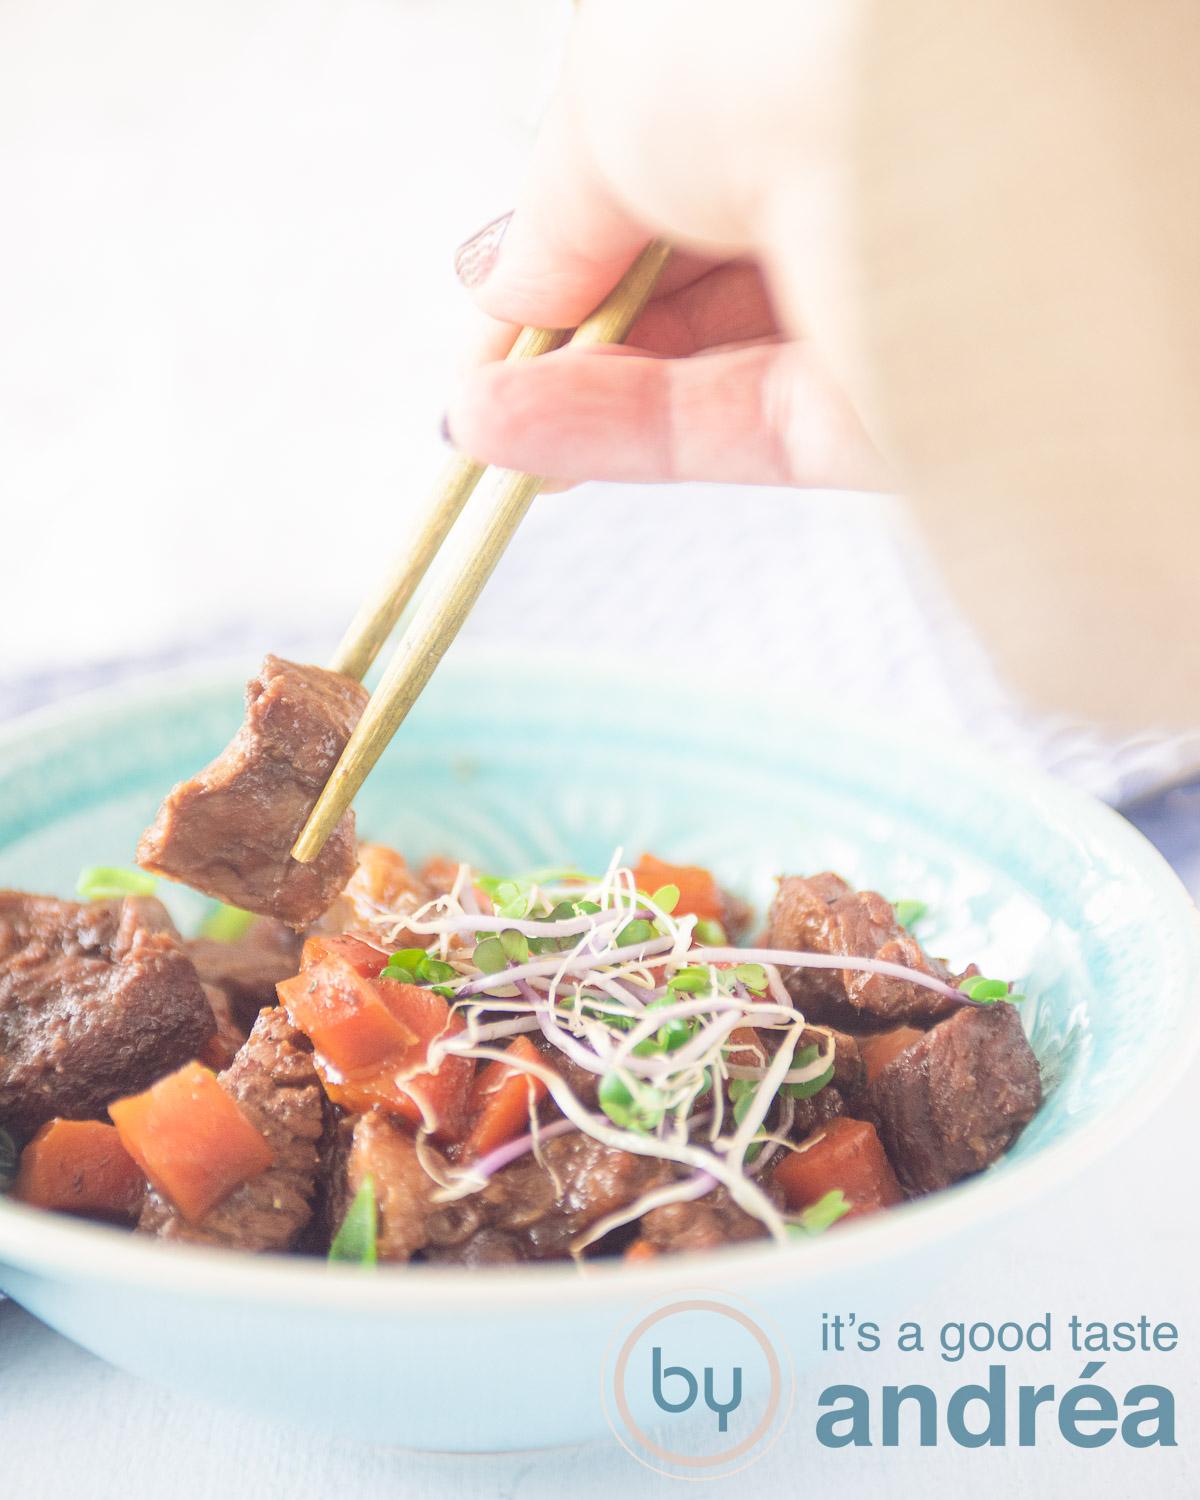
<point>465,565</point>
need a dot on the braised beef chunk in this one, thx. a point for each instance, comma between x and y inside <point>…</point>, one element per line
<point>956,1099</point>
<point>408,1220</point>
<point>582,1181</point>
<point>220,1051</point>
<point>811,1113</point>
<point>849,1064</point>
<point>97,999</point>
<point>703,1224</point>
<point>229,831</point>
<point>822,914</point>
<point>249,969</point>
<point>275,1084</point>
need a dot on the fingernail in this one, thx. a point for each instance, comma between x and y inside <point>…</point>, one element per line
<point>475,258</point>
<point>446,438</point>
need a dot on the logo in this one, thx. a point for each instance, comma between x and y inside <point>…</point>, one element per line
<point>697,1384</point>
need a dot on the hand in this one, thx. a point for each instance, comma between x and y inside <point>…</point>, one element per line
<point>712,382</point>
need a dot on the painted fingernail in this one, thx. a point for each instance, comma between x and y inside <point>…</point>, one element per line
<point>475,259</point>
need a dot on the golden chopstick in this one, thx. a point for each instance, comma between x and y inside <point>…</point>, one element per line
<point>377,618</point>
<point>464,566</point>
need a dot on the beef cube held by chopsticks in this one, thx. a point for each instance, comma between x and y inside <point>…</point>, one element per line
<point>229,830</point>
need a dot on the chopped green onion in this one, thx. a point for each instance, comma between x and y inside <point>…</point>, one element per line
<point>910,912</point>
<point>666,897</point>
<point>618,1103</point>
<point>228,924</point>
<point>489,956</point>
<point>637,931</point>
<point>818,1216</point>
<point>355,1241</point>
<point>807,1090</point>
<point>101,882</point>
<point>753,976</point>
<point>515,945</point>
<point>10,1160</point>
<point>711,933</point>
<point>979,988</point>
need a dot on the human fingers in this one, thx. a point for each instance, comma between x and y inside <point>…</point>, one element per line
<point>713,305</point>
<point>762,414</point>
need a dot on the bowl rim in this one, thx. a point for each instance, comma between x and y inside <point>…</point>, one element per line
<point>47,1245</point>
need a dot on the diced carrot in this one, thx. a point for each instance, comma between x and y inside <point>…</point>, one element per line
<point>501,1098</point>
<point>879,1050</point>
<point>699,894</point>
<point>191,1139</point>
<point>639,1250</point>
<point>362,957</point>
<point>436,1098</point>
<point>844,1154</point>
<point>80,1167</point>
<point>344,1015</point>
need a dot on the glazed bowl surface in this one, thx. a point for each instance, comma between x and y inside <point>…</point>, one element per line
<point>513,764</point>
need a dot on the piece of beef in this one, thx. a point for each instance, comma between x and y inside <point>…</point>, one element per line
<point>736,916</point>
<point>371,1145</point>
<point>705,1223</point>
<point>275,1084</point>
<point>822,914</point>
<point>97,1000</point>
<point>811,1113</point>
<point>486,1247</point>
<point>220,1050</point>
<point>249,969</point>
<point>954,1101</point>
<point>546,1207</point>
<point>229,830</point>
<point>849,1064</point>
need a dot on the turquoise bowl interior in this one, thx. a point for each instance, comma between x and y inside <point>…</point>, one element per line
<point>511,764</point>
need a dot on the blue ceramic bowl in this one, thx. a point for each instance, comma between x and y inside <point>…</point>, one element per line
<point>510,767</point>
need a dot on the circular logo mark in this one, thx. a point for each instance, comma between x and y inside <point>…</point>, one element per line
<point>697,1384</point>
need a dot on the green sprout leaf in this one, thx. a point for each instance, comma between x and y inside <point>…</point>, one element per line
<point>818,1216</point>
<point>434,971</point>
<point>666,898</point>
<point>228,924</point>
<point>813,1086</point>
<point>711,934</point>
<point>624,1110</point>
<point>979,988</point>
<point>355,1241</point>
<point>10,1160</point>
<point>515,945</point>
<point>102,882</point>
<point>744,1099</point>
<point>805,1056</point>
<point>637,931</point>
<point>403,965</point>
<point>489,956</point>
<point>691,981</point>
<point>910,912</point>
<point>753,976</point>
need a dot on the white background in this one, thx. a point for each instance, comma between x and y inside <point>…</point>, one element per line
<point>227,323</point>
